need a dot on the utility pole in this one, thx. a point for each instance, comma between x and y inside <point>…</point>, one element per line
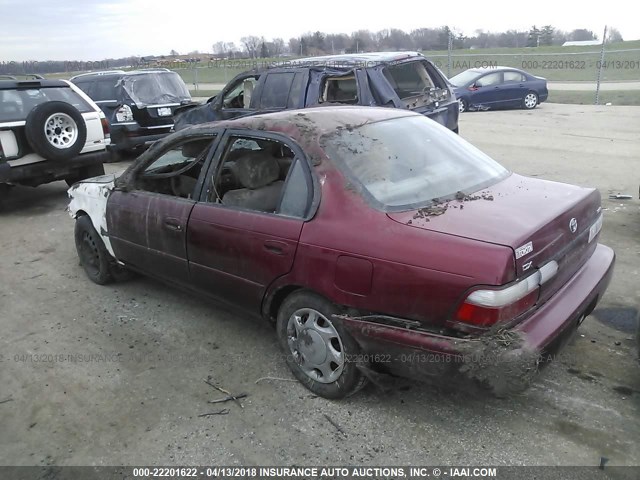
<point>604,38</point>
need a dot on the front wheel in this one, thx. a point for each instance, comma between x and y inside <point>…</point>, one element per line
<point>318,350</point>
<point>530,101</point>
<point>94,257</point>
<point>463,105</point>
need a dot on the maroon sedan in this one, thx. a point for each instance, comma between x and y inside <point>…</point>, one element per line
<point>374,239</point>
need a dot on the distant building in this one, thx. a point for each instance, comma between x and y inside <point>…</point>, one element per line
<point>582,43</point>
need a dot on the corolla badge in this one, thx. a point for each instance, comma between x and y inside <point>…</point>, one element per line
<point>573,225</point>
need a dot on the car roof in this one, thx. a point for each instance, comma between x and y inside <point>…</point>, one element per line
<point>120,73</point>
<point>309,122</point>
<point>25,84</point>
<point>356,58</point>
<point>482,70</point>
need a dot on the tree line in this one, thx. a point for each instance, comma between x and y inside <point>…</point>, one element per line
<point>319,43</point>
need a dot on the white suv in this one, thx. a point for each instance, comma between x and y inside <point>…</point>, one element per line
<point>49,130</point>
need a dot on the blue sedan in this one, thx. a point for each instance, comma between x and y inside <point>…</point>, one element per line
<point>499,87</point>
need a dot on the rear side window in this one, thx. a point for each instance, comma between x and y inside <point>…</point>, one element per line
<point>275,92</point>
<point>513,77</point>
<point>16,104</point>
<point>343,89</point>
<point>104,90</point>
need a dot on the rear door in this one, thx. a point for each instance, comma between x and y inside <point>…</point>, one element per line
<point>147,223</point>
<point>513,88</point>
<point>241,239</point>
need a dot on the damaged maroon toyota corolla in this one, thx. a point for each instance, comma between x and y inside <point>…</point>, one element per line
<point>374,239</point>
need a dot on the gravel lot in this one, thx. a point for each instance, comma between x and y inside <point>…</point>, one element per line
<point>137,400</point>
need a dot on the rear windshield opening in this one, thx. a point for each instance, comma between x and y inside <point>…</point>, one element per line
<point>156,88</point>
<point>340,90</point>
<point>410,162</point>
<point>411,79</point>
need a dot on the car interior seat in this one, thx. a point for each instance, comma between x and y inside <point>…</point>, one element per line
<point>247,85</point>
<point>258,172</point>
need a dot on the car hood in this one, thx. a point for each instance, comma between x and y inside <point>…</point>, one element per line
<point>531,216</point>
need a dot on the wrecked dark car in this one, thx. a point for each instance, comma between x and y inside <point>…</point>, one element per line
<point>139,104</point>
<point>404,80</point>
<point>374,239</point>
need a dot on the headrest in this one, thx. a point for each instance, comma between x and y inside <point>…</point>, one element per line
<point>256,169</point>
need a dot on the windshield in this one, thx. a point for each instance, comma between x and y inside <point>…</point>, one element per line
<point>156,88</point>
<point>411,161</point>
<point>463,78</point>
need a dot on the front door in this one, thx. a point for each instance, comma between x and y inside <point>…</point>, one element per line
<point>147,221</point>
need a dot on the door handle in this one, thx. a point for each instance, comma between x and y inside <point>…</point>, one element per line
<point>277,248</point>
<point>173,225</point>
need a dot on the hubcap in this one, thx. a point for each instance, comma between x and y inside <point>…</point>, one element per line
<point>461,106</point>
<point>315,345</point>
<point>61,130</point>
<point>530,100</point>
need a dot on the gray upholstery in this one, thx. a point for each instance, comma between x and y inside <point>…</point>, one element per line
<point>258,173</point>
<point>256,169</point>
<point>264,199</point>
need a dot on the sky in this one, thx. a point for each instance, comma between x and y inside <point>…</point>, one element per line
<point>98,29</point>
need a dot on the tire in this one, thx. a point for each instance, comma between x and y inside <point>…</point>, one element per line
<point>463,105</point>
<point>94,257</point>
<point>85,172</point>
<point>56,130</point>
<point>530,101</point>
<point>335,351</point>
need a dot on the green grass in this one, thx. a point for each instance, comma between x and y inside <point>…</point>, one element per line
<point>616,97</point>
<point>554,63</point>
<point>204,93</point>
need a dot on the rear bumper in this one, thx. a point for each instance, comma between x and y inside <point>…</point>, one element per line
<point>47,170</point>
<point>421,355</point>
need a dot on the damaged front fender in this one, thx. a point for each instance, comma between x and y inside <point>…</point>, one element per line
<point>90,198</point>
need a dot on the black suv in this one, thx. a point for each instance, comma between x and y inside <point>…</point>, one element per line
<point>139,104</point>
<point>389,79</point>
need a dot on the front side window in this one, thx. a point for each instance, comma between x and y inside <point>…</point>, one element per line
<point>177,170</point>
<point>488,80</point>
<point>239,96</point>
<point>410,161</point>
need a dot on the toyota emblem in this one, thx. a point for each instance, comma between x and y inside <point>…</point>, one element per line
<point>573,225</point>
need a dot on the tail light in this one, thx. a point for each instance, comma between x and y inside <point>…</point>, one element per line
<point>485,307</point>
<point>124,114</point>
<point>105,127</point>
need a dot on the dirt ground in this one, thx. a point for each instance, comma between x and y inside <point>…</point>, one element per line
<point>143,350</point>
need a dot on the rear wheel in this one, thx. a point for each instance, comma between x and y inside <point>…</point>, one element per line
<point>319,352</point>
<point>530,100</point>
<point>94,257</point>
